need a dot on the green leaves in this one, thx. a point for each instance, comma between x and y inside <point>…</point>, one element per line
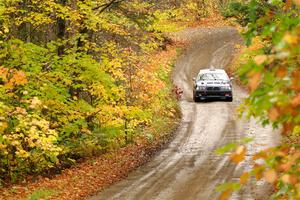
<point>271,71</point>
<point>76,80</point>
<point>226,148</point>
<point>231,146</point>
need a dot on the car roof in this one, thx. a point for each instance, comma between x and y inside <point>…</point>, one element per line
<point>205,71</point>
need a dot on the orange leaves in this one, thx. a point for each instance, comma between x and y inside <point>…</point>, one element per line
<point>287,127</point>
<point>288,4</point>
<point>281,72</point>
<point>289,179</point>
<point>254,80</point>
<point>283,169</point>
<point>296,80</point>
<point>260,155</point>
<point>255,76</point>
<point>239,154</point>
<point>18,78</point>
<point>260,59</point>
<point>274,114</point>
<point>12,77</point>
<point>296,100</point>
<point>244,178</point>
<point>225,195</point>
<point>274,81</point>
<point>271,176</point>
<point>297,2</point>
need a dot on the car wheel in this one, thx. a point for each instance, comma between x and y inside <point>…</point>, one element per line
<point>200,100</point>
<point>195,99</point>
<point>229,99</point>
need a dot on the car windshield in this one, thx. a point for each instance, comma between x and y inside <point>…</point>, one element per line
<point>213,76</point>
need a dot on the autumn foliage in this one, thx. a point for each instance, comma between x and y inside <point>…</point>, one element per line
<point>80,78</point>
<point>270,69</point>
<point>77,79</point>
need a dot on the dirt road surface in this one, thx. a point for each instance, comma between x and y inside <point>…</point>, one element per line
<point>189,169</point>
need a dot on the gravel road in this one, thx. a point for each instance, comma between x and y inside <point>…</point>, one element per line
<point>189,169</point>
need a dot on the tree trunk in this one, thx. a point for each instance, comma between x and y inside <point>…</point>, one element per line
<point>61,30</point>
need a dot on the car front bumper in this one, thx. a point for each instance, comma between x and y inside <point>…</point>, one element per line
<point>212,94</point>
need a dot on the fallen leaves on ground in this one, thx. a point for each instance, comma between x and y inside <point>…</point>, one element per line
<point>93,175</point>
<point>88,177</point>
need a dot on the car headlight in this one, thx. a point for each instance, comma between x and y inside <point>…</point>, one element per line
<point>200,88</point>
<point>226,88</point>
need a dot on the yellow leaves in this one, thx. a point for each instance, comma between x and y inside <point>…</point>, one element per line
<point>36,19</point>
<point>22,154</point>
<point>4,74</point>
<point>3,147</point>
<point>290,39</point>
<point>260,59</point>
<point>257,43</point>
<point>35,102</point>
<point>3,126</point>
<point>5,30</point>
<point>98,90</point>
<point>239,154</point>
<point>237,46</point>
<point>271,176</point>
<point>297,186</point>
<point>15,143</point>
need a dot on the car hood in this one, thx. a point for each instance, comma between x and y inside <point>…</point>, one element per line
<point>213,83</point>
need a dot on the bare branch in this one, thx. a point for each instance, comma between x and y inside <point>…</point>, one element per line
<point>107,5</point>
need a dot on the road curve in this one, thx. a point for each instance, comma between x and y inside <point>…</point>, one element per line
<point>189,169</point>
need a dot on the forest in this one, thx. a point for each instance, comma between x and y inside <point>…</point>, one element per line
<point>78,79</point>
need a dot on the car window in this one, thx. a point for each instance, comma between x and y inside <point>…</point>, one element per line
<point>213,76</point>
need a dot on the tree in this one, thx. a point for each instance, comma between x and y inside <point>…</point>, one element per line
<point>272,74</point>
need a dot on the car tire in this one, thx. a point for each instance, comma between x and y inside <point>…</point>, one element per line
<point>229,99</point>
<point>200,100</point>
<point>195,99</point>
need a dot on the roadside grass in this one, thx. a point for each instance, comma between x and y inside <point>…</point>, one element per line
<point>41,194</point>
